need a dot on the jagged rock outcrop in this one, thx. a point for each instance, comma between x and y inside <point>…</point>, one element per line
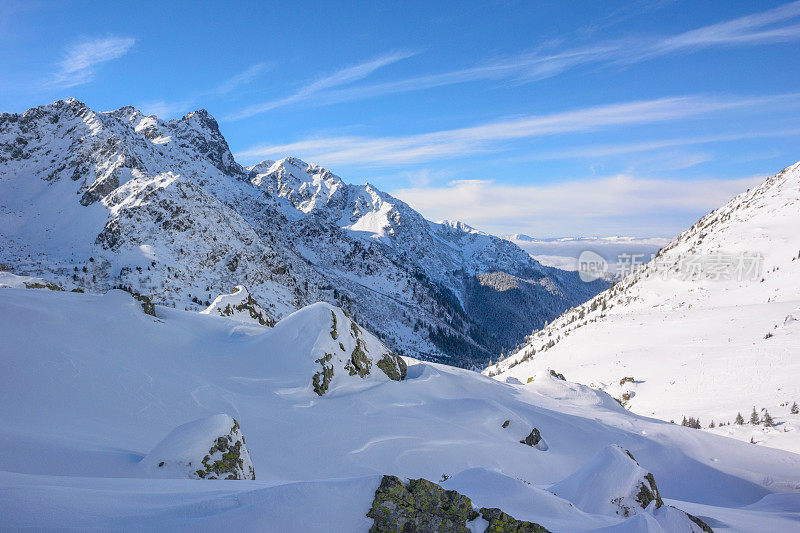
<point>240,306</point>
<point>208,448</point>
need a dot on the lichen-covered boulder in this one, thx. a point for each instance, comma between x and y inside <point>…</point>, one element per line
<point>419,506</point>
<point>500,522</point>
<point>393,366</point>
<point>239,306</point>
<point>208,448</point>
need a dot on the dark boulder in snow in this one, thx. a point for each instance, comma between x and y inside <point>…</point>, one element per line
<point>208,448</point>
<point>420,506</point>
<point>425,506</point>
<point>533,439</point>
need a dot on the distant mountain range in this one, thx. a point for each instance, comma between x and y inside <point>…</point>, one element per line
<point>102,199</point>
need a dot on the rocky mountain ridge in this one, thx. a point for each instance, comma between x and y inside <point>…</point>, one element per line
<point>102,199</point>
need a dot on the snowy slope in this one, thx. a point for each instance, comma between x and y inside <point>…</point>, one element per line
<point>89,400</point>
<point>696,342</point>
<point>97,200</point>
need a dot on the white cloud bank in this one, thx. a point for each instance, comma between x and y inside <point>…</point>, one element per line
<point>607,205</point>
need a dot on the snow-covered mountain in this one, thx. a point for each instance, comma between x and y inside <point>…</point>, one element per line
<point>707,329</point>
<point>97,200</point>
<point>114,419</point>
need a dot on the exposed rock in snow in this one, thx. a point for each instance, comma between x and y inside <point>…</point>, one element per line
<point>425,506</point>
<point>239,305</point>
<point>500,522</point>
<point>342,348</point>
<point>534,440</point>
<point>420,506</point>
<point>612,482</point>
<point>208,448</point>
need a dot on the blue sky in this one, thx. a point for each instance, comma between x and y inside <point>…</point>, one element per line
<point>545,118</point>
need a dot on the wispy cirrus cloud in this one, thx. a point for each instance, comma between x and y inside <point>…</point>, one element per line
<point>81,59</point>
<point>468,141</point>
<point>766,27</point>
<point>342,77</point>
<point>770,26</point>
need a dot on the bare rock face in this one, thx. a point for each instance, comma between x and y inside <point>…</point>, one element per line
<point>240,306</point>
<point>208,448</point>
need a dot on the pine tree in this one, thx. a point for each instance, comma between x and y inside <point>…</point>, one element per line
<point>711,425</point>
<point>684,423</point>
<point>754,417</point>
<point>768,422</point>
<point>795,410</point>
<point>739,419</point>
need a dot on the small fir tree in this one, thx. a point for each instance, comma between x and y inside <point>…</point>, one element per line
<point>795,410</point>
<point>768,422</point>
<point>739,419</point>
<point>754,417</point>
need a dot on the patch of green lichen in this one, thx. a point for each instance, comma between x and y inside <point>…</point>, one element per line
<point>421,506</point>
<point>359,363</point>
<point>500,522</point>
<point>334,333</point>
<point>648,494</point>
<point>322,379</point>
<point>393,366</point>
<point>230,463</point>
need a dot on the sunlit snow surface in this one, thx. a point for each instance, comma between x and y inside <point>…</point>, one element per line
<point>89,385</point>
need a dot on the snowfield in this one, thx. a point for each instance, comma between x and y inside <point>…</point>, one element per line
<point>90,386</point>
<point>705,345</point>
